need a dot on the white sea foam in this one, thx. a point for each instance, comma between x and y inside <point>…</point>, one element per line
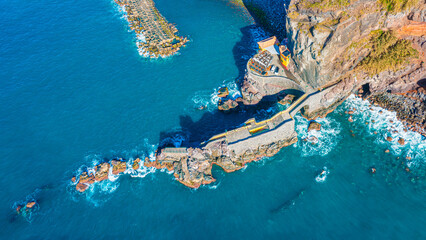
<point>386,124</point>
<point>314,142</point>
<point>208,100</point>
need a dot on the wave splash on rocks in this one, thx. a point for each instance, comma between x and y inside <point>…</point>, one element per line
<point>389,130</point>
<point>314,142</point>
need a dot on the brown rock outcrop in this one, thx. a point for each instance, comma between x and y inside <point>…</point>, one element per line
<point>101,172</point>
<point>118,166</point>
<point>30,204</point>
<point>136,164</point>
<point>314,126</point>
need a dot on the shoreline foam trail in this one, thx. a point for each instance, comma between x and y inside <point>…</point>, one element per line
<point>155,36</point>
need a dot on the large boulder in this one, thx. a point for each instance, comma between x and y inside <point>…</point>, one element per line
<point>288,99</point>
<point>136,164</point>
<point>86,178</point>
<point>314,126</point>
<point>227,105</point>
<point>118,166</point>
<point>81,187</point>
<point>102,171</point>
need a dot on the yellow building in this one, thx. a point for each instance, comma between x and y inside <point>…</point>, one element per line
<point>284,56</point>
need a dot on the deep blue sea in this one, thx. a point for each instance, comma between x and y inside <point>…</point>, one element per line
<point>74,91</point>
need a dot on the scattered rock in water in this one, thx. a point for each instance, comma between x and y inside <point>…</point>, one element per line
<point>373,170</point>
<point>30,204</point>
<point>228,104</point>
<point>389,139</point>
<point>288,99</point>
<point>375,132</point>
<point>73,179</point>
<point>350,119</point>
<point>136,164</point>
<point>381,112</point>
<point>408,157</point>
<point>223,92</point>
<point>314,126</point>
<point>81,187</point>
<point>350,112</point>
<point>387,151</point>
<point>407,169</point>
<point>401,141</point>
<point>312,139</point>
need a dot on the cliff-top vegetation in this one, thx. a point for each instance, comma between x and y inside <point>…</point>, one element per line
<point>387,53</point>
<point>325,5</point>
<point>398,5</point>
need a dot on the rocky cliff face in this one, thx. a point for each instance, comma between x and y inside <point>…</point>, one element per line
<point>375,45</point>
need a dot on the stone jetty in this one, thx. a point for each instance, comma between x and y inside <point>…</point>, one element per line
<point>158,38</point>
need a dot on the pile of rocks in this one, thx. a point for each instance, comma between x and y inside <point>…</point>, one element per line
<point>409,107</point>
<point>101,172</point>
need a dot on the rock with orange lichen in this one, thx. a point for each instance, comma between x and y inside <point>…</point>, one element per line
<point>136,164</point>
<point>101,171</point>
<point>118,166</point>
<point>30,204</point>
<point>314,126</point>
<point>81,187</point>
<point>87,178</point>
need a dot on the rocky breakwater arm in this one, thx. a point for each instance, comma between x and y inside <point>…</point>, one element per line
<point>156,36</point>
<point>101,172</point>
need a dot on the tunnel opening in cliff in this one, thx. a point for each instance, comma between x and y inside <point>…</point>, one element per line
<point>365,90</point>
<point>422,83</point>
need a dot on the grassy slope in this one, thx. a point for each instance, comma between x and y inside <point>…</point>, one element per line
<point>388,53</point>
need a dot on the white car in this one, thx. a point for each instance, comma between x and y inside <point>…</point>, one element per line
<point>272,68</point>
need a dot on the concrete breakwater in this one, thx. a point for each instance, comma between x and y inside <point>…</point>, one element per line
<point>231,150</point>
<point>157,37</point>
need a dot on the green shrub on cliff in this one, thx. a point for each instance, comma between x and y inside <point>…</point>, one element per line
<point>326,4</point>
<point>397,5</point>
<point>387,53</point>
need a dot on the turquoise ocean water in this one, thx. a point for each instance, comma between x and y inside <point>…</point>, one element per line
<point>74,91</point>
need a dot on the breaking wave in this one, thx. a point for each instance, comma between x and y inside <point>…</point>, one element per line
<point>314,143</point>
<point>100,192</point>
<point>207,100</point>
<point>323,175</point>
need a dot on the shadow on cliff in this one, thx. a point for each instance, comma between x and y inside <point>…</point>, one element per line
<point>269,14</point>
